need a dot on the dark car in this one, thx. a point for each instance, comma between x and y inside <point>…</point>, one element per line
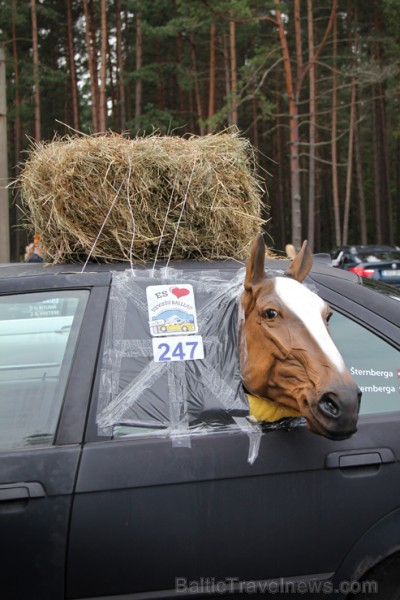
<point>375,262</point>
<point>122,477</point>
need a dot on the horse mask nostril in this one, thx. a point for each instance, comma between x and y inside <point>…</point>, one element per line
<point>329,406</point>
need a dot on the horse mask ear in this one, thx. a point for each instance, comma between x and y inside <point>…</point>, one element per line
<point>301,265</point>
<point>255,265</point>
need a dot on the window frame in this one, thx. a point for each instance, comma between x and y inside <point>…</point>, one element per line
<point>36,376</point>
<point>77,395</point>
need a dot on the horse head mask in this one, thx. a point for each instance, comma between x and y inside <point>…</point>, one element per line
<point>286,353</point>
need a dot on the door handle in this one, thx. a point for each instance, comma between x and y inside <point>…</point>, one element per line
<point>21,491</point>
<point>359,458</point>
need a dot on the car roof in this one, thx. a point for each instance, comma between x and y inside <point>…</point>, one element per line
<point>41,269</point>
<point>12,270</point>
<point>100,273</point>
<point>367,248</point>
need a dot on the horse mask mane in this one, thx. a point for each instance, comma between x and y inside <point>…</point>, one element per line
<point>286,352</point>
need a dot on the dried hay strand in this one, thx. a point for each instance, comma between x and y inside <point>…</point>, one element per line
<point>163,197</point>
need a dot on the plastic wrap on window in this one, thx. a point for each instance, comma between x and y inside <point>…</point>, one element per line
<point>178,399</point>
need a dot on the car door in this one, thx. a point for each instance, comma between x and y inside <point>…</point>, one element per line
<point>153,516</point>
<point>49,333</point>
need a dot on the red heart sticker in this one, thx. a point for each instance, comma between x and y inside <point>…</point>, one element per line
<point>179,292</point>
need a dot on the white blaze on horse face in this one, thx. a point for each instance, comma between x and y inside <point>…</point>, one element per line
<point>308,307</point>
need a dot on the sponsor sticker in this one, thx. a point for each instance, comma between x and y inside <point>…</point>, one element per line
<point>172,310</point>
<point>173,323</point>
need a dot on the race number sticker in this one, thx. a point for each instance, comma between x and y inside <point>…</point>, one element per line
<point>172,322</point>
<point>172,310</point>
<point>178,348</point>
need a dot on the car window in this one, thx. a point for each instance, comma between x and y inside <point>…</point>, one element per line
<point>347,259</point>
<point>38,335</point>
<point>152,380</point>
<point>377,255</point>
<point>374,364</point>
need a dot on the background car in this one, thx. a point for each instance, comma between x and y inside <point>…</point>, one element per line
<point>376,262</point>
<point>103,508</point>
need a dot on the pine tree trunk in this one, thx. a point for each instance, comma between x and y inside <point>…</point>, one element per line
<point>139,64</point>
<point>279,154</point>
<point>4,204</point>
<point>181,94</point>
<point>36,91</point>
<point>227,78</point>
<point>397,162</point>
<point>312,131</point>
<point>197,94</point>
<point>72,68</point>
<point>294,135</point>
<point>18,143</point>
<point>254,108</point>
<point>299,53</point>
<point>95,57</point>
<point>211,92</point>
<point>92,69</point>
<point>377,169</point>
<point>387,198</point>
<point>111,92</point>
<point>233,78</point>
<point>161,86</point>
<point>349,175</point>
<point>360,185</point>
<point>18,124</point>
<point>120,79</point>
<point>335,178</point>
<point>103,74</point>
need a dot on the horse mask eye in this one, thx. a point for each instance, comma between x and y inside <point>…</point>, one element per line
<point>270,314</point>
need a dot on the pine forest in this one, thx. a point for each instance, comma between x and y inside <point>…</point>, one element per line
<point>313,84</point>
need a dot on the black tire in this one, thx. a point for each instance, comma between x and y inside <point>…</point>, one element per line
<point>382,582</point>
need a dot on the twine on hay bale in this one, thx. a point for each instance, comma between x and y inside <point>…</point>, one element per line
<point>115,198</point>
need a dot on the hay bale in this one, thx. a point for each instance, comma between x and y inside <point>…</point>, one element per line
<point>115,198</point>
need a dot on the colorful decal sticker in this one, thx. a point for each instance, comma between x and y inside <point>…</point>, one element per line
<point>172,322</point>
<point>178,348</point>
<point>172,310</point>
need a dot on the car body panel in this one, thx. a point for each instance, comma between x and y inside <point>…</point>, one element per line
<point>34,527</point>
<point>195,511</point>
<point>129,516</point>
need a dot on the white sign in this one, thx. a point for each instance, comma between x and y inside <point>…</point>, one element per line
<point>172,310</point>
<point>178,348</point>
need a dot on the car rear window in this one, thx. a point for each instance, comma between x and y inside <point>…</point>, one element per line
<point>38,336</point>
<point>379,255</point>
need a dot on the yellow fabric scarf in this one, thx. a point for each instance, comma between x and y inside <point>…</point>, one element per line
<point>266,410</point>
